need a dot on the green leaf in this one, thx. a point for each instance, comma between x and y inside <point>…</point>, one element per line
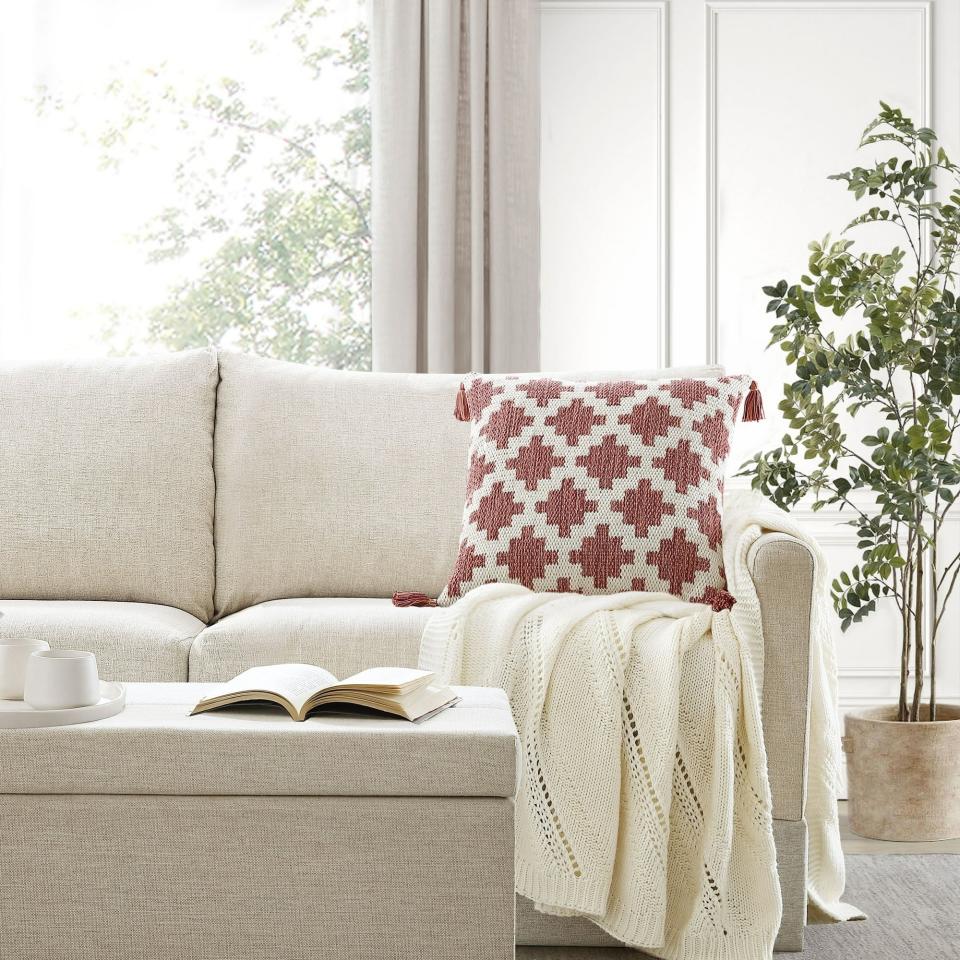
<point>871,337</point>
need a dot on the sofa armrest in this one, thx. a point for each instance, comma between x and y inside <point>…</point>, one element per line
<point>782,570</point>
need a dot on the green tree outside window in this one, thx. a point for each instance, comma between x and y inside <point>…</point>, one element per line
<point>281,269</point>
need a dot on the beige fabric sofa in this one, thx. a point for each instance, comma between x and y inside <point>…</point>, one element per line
<point>191,515</point>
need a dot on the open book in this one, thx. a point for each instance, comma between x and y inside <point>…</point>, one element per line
<point>302,689</point>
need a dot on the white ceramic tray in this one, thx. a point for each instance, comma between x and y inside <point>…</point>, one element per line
<point>15,714</point>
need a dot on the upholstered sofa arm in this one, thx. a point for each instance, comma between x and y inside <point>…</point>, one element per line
<point>782,569</point>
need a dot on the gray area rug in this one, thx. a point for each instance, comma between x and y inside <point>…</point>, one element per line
<point>913,908</point>
<point>912,902</point>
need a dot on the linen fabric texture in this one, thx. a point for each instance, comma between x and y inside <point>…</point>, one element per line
<point>333,484</point>
<point>155,747</point>
<point>596,487</point>
<point>106,473</point>
<point>263,878</point>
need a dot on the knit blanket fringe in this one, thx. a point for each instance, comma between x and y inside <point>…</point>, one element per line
<point>644,803</point>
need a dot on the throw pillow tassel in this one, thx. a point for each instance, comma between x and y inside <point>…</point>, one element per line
<point>462,409</point>
<point>721,600</point>
<point>753,408</point>
<point>406,598</point>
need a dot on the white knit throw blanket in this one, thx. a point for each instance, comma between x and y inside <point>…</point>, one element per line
<point>644,802</point>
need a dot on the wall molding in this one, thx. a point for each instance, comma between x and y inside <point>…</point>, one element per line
<point>660,9</point>
<point>857,702</point>
<point>874,673</point>
<point>828,527</point>
<point>714,9</point>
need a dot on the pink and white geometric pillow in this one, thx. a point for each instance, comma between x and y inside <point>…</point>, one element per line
<point>596,487</point>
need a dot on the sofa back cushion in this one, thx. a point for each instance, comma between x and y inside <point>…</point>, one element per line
<point>106,474</point>
<point>335,484</point>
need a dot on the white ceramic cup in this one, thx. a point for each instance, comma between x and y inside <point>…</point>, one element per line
<point>14,654</point>
<point>60,679</point>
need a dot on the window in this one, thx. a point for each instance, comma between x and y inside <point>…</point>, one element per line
<point>180,174</point>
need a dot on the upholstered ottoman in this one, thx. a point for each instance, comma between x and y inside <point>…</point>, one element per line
<point>156,835</point>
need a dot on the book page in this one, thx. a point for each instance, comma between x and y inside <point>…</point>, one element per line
<point>297,682</point>
<point>389,679</point>
<point>414,705</point>
<point>426,702</point>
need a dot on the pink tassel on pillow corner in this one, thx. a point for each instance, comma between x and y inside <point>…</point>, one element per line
<point>462,409</point>
<point>753,407</point>
<point>407,598</point>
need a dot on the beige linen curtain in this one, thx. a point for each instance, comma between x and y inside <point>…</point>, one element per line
<point>456,152</point>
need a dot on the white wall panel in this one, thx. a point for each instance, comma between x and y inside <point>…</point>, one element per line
<point>765,98</point>
<point>781,116</point>
<point>602,193</point>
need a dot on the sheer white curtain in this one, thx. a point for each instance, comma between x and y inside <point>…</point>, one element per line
<point>455,207</point>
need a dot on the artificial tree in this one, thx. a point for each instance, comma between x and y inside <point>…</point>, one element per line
<point>873,340</point>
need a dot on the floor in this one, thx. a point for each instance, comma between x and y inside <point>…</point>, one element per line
<point>852,844</point>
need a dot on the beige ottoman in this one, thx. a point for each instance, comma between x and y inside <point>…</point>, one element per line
<point>156,835</point>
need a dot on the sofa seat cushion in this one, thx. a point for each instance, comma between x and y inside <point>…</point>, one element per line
<point>341,634</point>
<point>131,641</point>
<point>106,468</point>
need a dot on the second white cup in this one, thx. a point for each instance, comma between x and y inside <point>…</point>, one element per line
<point>61,679</point>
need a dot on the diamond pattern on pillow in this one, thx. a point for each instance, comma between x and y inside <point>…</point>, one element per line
<point>596,487</point>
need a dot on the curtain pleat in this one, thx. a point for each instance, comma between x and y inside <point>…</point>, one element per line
<point>456,141</point>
